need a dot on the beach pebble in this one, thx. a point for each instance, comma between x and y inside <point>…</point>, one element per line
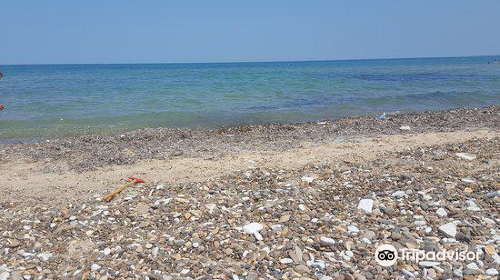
<point>492,272</point>
<point>408,273</point>
<point>44,256</point>
<point>4,275</point>
<point>107,251</point>
<point>492,195</point>
<point>466,156</point>
<point>326,241</point>
<point>468,180</point>
<point>353,229</point>
<point>253,229</point>
<point>441,212</point>
<point>428,264</point>
<point>449,229</point>
<point>317,264</point>
<point>472,206</point>
<point>366,205</point>
<point>307,179</point>
<point>399,194</point>
<point>179,243</point>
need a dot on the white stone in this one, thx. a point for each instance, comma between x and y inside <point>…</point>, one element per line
<point>419,223</point>
<point>326,241</point>
<point>472,206</point>
<point>491,272</point>
<point>489,221</point>
<point>449,229</point>
<point>317,264</point>
<point>466,156</point>
<point>458,273</point>
<point>276,227</point>
<point>468,180</point>
<point>496,258</point>
<point>44,256</point>
<point>366,205</point>
<point>428,264</point>
<point>405,127</point>
<point>353,229</point>
<point>441,212</point>
<point>307,179</point>
<point>4,275</point>
<point>211,207</point>
<point>95,267</point>
<point>154,252</point>
<point>407,273</point>
<point>472,266</point>
<point>253,228</point>
<point>286,261</point>
<point>107,251</point>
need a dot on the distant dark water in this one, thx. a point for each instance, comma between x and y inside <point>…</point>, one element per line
<point>59,100</point>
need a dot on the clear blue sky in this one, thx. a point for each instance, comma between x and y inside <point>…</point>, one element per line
<point>130,31</point>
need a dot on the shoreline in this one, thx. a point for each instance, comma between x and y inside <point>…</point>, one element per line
<point>88,152</point>
<point>237,125</point>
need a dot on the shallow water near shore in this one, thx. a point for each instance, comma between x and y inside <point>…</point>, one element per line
<point>60,100</point>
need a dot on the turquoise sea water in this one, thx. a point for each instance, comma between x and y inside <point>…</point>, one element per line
<point>57,100</point>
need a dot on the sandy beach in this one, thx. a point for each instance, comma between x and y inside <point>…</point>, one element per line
<point>432,180</point>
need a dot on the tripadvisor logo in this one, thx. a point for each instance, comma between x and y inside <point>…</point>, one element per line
<point>386,255</point>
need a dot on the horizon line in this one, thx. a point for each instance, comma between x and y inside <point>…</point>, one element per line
<point>236,62</point>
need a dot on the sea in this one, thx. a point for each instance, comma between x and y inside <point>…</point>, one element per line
<point>51,101</point>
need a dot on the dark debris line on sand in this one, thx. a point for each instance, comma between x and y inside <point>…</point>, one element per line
<point>92,151</point>
<point>274,224</point>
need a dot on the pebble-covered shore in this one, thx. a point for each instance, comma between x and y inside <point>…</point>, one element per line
<point>89,152</point>
<point>317,222</point>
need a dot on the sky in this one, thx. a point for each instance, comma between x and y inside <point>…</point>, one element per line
<point>163,31</point>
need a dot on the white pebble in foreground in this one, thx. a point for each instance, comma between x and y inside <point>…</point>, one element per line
<point>253,228</point>
<point>366,205</point>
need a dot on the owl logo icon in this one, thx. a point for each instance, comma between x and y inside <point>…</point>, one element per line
<point>386,255</point>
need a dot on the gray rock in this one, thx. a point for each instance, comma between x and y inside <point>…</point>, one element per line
<point>179,242</point>
<point>326,241</point>
<point>399,194</point>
